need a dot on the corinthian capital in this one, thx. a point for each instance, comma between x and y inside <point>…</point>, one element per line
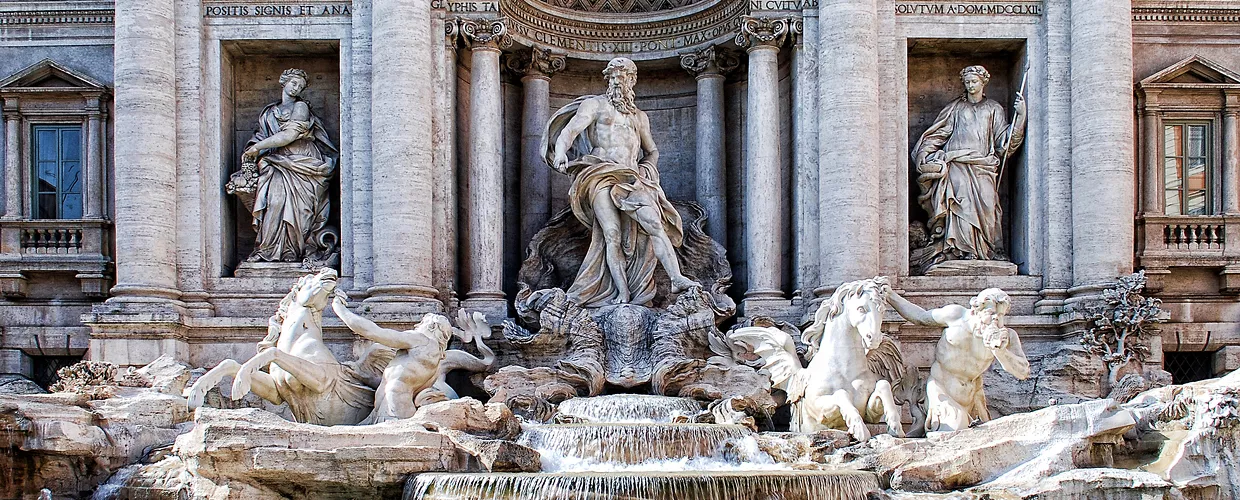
<point>486,33</point>
<point>710,60</point>
<point>538,61</point>
<point>764,31</point>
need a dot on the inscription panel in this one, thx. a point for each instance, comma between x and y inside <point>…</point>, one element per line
<point>975,8</point>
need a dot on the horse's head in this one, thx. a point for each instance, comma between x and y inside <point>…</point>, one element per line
<point>315,291</point>
<point>861,304</point>
<point>437,327</point>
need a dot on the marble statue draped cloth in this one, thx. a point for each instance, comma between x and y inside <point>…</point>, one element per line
<point>962,199</point>
<point>291,205</point>
<point>629,187</point>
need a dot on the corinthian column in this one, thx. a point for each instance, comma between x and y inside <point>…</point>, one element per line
<point>848,135</point>
<point>1102,133</point>
<point>1231,155</point>
<point>709,66</point>
<point>146,149</point>
<point>536,65</point>
<point>762,38</point>
<point>486,38</point>
<point>1151,125</point>
<point>401,172</point>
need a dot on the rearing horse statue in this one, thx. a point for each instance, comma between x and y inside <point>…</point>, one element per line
<point>852,366</point>
<point>302,372</point>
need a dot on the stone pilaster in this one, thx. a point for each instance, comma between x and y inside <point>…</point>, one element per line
<point>1152,139</point>
<point>710,67</point>
<point>93,197</point>
<point>762,38</point>
<point>486,39</point>
<point>1102,137</point>
<point>1231,155</point>
<point>848,142</point>
<point>401,211</point>
<point>805,155</point>
<point>13,178</point>
<point>445,157</point>
<point>536,67</point>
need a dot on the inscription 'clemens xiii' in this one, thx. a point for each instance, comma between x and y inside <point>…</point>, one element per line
<point>604,142</point>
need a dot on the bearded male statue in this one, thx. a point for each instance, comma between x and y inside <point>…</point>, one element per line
<point>973,339</point>
<point>604,142</point>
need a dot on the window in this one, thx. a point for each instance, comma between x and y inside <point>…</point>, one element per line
<point>1187,162</point>
<point>1188,367</point>
<point>57,164</point>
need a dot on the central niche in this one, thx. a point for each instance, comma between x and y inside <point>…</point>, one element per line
<point>622,6</point>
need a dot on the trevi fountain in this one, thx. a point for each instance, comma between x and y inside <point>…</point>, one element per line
<point>645,249</point>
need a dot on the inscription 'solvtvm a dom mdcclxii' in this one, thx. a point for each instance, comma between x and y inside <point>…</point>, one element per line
<point>422,238</point>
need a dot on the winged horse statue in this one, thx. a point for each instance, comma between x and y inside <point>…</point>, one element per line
<point>852,365</point>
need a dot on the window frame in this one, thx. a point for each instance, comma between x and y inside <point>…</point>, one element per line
<point>32,166</point>
<point>1213,147</point>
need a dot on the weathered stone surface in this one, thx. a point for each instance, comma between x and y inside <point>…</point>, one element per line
<point>1060,374</point>
<point>69,443</point>
<point>253,447</point>
<point>17,384</point>
<point>496,455</point>
<point>166,375</point>
<point>543,383</point>
<point>471,416</point>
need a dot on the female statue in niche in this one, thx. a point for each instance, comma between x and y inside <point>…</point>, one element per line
<point>959,162</point>
<point>284,178</point>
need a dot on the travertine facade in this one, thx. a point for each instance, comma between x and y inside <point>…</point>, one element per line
<point>789,122</point>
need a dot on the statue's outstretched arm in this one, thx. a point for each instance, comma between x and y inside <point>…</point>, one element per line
<point>1012,357</point>
<point>914,312</point>
<point>368,329</point>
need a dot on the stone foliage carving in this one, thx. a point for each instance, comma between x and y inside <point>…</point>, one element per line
<point>283,181</point>
<point>710,60</point>
<point>538,62</point>
<point>755,31</point>
<point>1120,324</point>
<point>396,374</point>
<point>960,161</point>
<point>973,338</point>
<point>840,389</point>
<point>485,33</point>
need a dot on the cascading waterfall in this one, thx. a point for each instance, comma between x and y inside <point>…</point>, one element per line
<point>622,408</point>
<point>626,447</point>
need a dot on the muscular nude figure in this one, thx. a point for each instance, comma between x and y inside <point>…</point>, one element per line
<point>973,338</point>
<point>421,358</point>
<point>604,142</point>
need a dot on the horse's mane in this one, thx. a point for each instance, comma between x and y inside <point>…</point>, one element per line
<point>833,307</point>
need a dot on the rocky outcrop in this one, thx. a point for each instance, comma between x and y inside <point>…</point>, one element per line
<point>69,443</point>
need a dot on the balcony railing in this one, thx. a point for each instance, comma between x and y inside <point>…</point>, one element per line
<point>78,246</point>
<point>1201,241</point>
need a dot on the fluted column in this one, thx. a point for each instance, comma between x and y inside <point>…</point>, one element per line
<point>1102,137</point>
<point>762,38</point>
<point>486,38</point>
<point>710,66</point>
<point>1231,155</point>
<point>401,173</point>
<point>93,197</point>
<point>536,65</point>
<point>13,178</point>
<point>1152,134</point>
<point>848,139</point>
<point>146,147</point>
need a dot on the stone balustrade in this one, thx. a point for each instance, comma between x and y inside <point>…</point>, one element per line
<point>1199,241</point>
<point>77,246</point>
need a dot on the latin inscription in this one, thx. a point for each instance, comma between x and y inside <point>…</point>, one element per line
<point>277,10</point>
<point>968,9</point>
<point>462,7</point>
<point>756,5</point>
<point>652,45</point>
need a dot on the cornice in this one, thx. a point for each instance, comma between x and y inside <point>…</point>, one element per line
<point>1182,14</point>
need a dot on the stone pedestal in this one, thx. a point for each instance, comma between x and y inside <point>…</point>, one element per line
<point>972,268</point>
